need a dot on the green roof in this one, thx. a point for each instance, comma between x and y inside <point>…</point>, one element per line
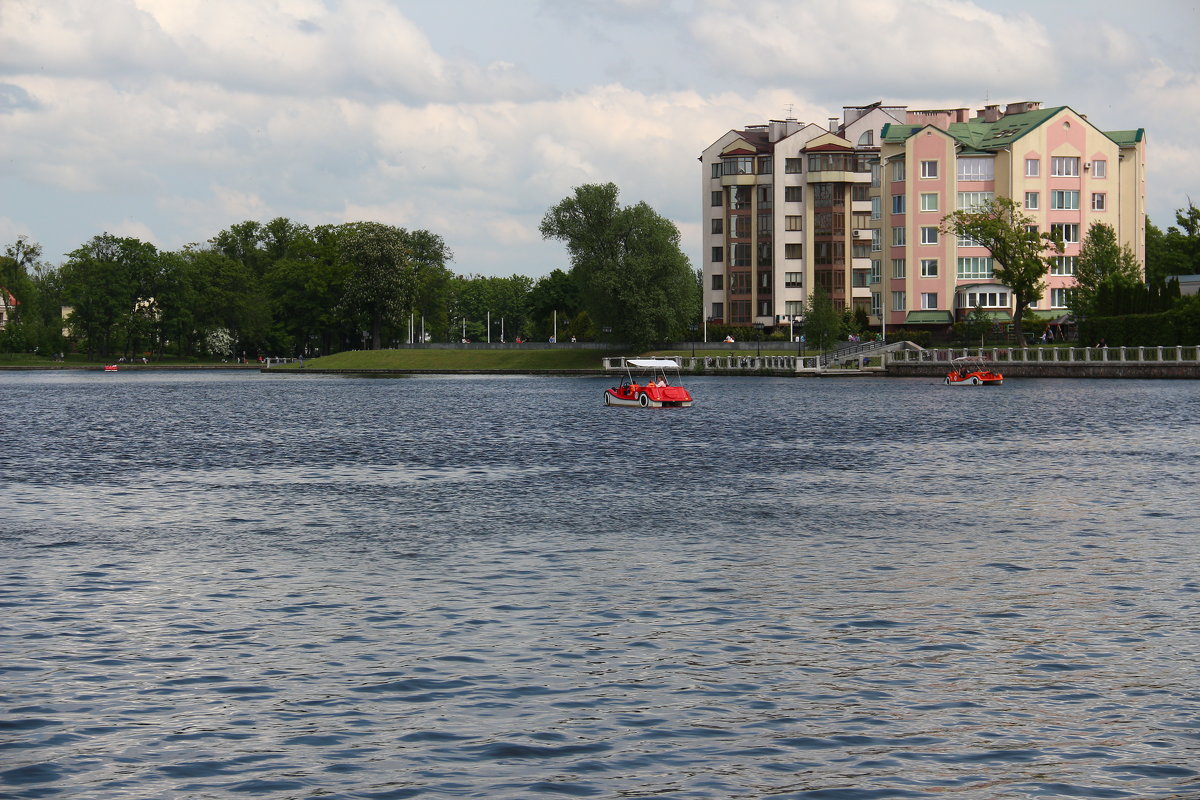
<point>980,137</point>
<point>929,318</point>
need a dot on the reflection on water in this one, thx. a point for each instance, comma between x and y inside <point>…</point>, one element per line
<point>243,585</point>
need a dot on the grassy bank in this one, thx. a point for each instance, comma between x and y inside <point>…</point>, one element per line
<point>459,359</point>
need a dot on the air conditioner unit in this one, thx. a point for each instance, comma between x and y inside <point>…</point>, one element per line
<point>1087,165</point>
<point>862,233</point>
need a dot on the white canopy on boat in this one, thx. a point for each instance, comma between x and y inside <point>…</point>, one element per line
<point>653,363</point>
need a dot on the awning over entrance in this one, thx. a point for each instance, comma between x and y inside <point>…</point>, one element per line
<point>1054,316</point>
<point>928,318</point>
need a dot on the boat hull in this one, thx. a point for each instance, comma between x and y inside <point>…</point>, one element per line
<point>975,379</point>
<point>649,397</point>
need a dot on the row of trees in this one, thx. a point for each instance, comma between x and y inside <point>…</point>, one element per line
<point>287,288</point>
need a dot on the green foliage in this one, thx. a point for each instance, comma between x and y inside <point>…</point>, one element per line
<point>824,323</point>
<point>1020,256</point>
<point>632,275</point>
<point>1179,326</point>
<point>921,338</point>
<point>1104,266</point>
<point>973,330</point>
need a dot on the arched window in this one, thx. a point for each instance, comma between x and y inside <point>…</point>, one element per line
<point>867,139</point>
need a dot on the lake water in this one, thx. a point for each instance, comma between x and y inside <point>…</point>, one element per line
<point>229,585</point>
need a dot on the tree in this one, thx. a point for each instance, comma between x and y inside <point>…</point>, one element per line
<point>633,277</point>
<point>1020,255</point>
<point>824,322</point>
<point>104,280</point>
<point>1102,261</point>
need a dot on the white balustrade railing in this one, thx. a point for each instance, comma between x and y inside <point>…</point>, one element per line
<point>1179,354</point>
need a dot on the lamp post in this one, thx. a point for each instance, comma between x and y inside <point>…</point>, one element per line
<point>758,327</point>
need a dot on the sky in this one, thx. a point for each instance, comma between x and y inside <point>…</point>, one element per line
<point>171,120</point>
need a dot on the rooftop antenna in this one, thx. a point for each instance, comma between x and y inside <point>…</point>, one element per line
<point>789,111</point>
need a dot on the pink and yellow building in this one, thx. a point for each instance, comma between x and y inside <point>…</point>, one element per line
<point>856,208</point>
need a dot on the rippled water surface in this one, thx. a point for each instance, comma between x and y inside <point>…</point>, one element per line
<point>237,585</point>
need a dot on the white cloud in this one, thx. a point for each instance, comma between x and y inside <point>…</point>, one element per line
<point>886,46</point>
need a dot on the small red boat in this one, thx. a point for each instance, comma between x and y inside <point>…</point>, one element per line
<point>658,387</point>
<point>110,367</point>
<point>972,371</point>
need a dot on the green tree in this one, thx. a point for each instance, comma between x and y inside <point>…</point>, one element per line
<point>1020,255</point>
<point>824,321</point>
<point>1102,261</point>
<point>103,281</point>
<point>632,274</point>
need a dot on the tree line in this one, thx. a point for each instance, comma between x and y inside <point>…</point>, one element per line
<point>284,288</point>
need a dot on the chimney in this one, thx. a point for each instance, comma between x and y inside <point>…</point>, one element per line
<point>833,124</point>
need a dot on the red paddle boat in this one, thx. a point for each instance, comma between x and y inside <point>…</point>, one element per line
<point>657,387</point>
<point>972,371</point>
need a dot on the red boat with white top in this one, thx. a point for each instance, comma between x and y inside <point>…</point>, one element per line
<point>972,371</point>
<point>657,387</point>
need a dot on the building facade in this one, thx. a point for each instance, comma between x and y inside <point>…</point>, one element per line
<point>855,208</point>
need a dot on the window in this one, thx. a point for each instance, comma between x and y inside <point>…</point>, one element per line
<point>1058,298</point>
<point>1064,166</point>
<point>718,282</point>
<point>876,304</point>
<point>793,222</point>
<point>898,237</point>
<point>929,169</point>
<point>1064,200</point>
<point>1031,200</point>
<point>897,204</point>
<point>975,169</point>
<point>1100,169</point>
<point>876,240</point>
<point>1062,265</point>
<point>766,196</point>
<point>718,311</point>
<point>876,208</point>
<point>765,165</point>
<point>1068,232</point>
<point>739,197</point>
<point>898,268</point>
<point>975,267</point>
<point>793,194</point>
<point>718,255</point>
<point>1099,201</point>
<point>793,280</point>
<point>718,225</point>
<point>740,253</point>
<point>867,139</point>
<point>1031,229</point>
<point>794,308</point>
<point>876,271</point>
<point>738,165</point>
<point>765,253</point>
<point>739,226</point>
<point>793,251</point>
<point>928,300</point>
<point>764,281</point>
<point>929,267</point>
<point>739,312</point>
<point>974,201</point>
<point>739,283</point>
<point>929,201</point>
<point>716,170</point>
<point>929,234</point>
<point>1033,167</point>
<point>860,193</point>
<point>987,299</point>
<point>897,170</point>
<point>717,198</point>
<point>766,224</point>
<point>967,241</point>
<point>793,166</point>
<point>897,301</point>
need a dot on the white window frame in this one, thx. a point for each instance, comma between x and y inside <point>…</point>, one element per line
<point>1033,201</point>
<point>899,236</point>
<point>976,169</point>
<point>929,235</point>
<point>1033,167</point>
<point>897,170</point>
<point>898,301</point>
<point>978,267</point>
<point>929,169</point>
<point>1100,168</point>
<point>929,301</point>
<point>1063,265</point>
<point>973,201</point>
<point>1099,201</point>
<point>929,267</point>
<point>1058,298</point>
<point>1064,199</point>
<point>929,201</point>
<point>1063,228</point>
<point>876,207</point>
<point>1064,166</point>
<point>899,268</point>
<point>898,204</point>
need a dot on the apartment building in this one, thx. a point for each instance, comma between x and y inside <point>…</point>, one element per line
<point>855,207</point>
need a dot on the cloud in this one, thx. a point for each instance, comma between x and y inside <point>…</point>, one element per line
<point>286,47</point>
<point>925,47</point>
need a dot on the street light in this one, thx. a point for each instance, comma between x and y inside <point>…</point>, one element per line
<point>758,327</point>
